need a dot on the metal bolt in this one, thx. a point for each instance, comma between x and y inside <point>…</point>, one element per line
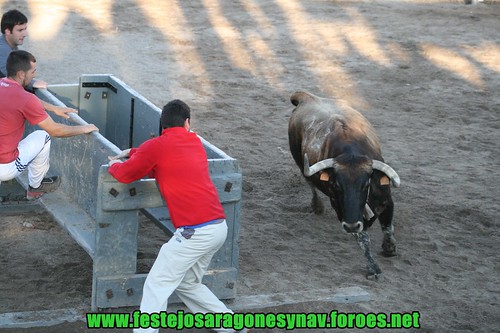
<point>113,192</point>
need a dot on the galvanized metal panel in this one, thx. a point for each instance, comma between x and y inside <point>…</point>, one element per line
<point>126,290</point>
<point>161,217</point>
<point>78,160</point>
<point>116,196</point>
<point>116,243</point>
<point>146,122</point>
<point>125,119</point>
<point>145,115</point>
<point>92,106</point>
<point>120,113</point>
<point>145,194</point>
<point>69,215</point>
<point>68,94</point>
<point>73,219</point>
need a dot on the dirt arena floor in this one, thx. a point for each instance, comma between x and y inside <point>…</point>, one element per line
<point>425,73</point>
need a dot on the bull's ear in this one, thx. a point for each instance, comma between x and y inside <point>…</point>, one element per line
<point>324,176</point>
<point>384,180</point>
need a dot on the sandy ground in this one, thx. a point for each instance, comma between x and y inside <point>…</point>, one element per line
<point>426,74</point>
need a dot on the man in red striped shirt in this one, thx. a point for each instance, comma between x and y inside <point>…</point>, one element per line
<point>16,107</point>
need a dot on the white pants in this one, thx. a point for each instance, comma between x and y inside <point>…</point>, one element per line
<point>179,267</point>
<point>34,153</point>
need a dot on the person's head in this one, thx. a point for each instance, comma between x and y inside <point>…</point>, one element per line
<point>21,66</point>
<point>175,113</point>
<point>14,27</point>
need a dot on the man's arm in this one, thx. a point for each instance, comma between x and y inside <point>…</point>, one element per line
<point>39,84</point>
<point>62,131</point>
<point>58,110</point>
<point>124,154</point>
<point>140,164</point>
<point>36,84</point>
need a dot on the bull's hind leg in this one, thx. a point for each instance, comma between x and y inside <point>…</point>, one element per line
<point>364,242</point>
<point>389,242</point>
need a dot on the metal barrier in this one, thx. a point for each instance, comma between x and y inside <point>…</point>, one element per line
<point>100,213</point>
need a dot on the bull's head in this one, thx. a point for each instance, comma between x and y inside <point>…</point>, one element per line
<point>348,179</point>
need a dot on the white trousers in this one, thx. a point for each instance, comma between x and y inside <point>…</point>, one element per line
<point>34,153</point>
<point>179,267</point>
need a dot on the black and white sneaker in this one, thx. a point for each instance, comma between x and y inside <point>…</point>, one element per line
<point>49,184</point>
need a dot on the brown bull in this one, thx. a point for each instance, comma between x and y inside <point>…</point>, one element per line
<point>347,165</point>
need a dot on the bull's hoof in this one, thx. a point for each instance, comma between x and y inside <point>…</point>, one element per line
<point>389,248</point>
<point>374,273</point>
<point>317,207</point>
<point>389,253</point>
<point>373,277</point>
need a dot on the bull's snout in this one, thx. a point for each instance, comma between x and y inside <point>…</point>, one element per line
<point>353,228</point>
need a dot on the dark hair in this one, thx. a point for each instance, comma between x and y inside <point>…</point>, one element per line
<point>174,114</point>
<point>12,18</point>
<point>19,60</point>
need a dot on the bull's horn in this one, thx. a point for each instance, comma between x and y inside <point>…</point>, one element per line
<point>309,171</point>
<point>381,166</point>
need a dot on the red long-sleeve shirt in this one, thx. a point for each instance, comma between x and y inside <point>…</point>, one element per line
<point>178,161</point>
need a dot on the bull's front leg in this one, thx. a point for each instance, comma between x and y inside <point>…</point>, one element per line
<point>364,242</point>
<point>316,204</point>
<point>389,242</point>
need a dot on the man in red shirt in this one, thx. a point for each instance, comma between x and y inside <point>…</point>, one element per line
<point>178,161</point>
<point>17,106</point>
<point>14,27</point>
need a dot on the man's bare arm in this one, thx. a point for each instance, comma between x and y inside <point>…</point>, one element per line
<point>62,131</point>
<point>58,110</point>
